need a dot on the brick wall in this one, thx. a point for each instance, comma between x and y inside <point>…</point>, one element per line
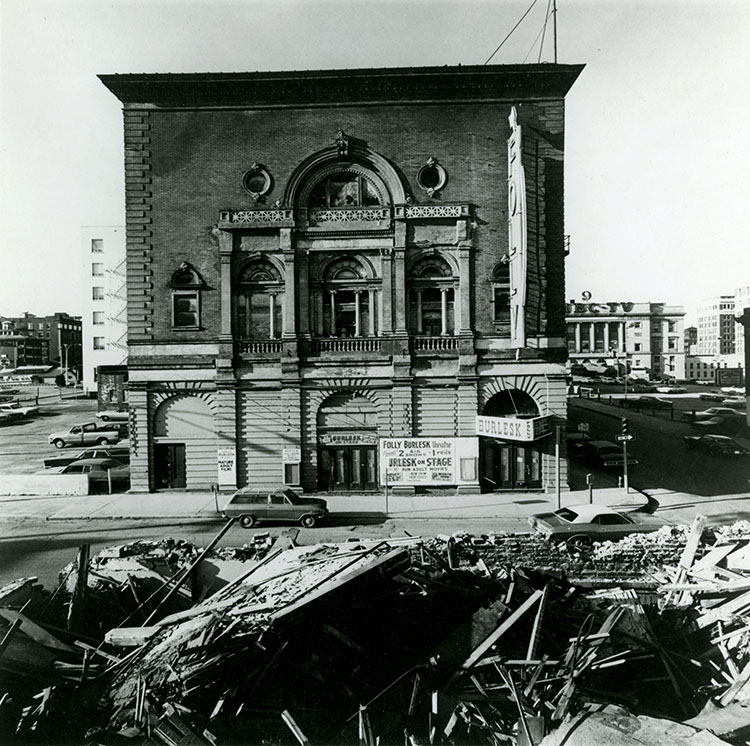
<point>182,167</point>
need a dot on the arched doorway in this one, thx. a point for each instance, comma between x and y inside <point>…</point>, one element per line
<point>347,443</point>
<point>184,444</point>
<point>507,464</point>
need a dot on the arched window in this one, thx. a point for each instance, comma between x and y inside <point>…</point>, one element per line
<point>186,284</point>
<point>259,301</point>
<point>346,188</point>
<point>347,300</point>
<point>431,298</point>
<point>501,293</point>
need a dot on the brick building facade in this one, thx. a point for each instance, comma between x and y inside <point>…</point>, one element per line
<point>341,278</point>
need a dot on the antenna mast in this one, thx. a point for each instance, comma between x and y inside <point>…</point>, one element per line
<point>554,25</point>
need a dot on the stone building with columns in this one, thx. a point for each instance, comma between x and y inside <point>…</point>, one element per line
<point>647,339</point>
<point>343,279</point>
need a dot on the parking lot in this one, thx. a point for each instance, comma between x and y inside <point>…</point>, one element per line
<point>24,444</point>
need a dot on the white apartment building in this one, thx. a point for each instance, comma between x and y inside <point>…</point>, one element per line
<point>741,302</point>
<point>647,338</point>
<point>716,327</point>
<point>104,319</point>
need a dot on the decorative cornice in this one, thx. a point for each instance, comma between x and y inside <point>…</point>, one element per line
<point>326,87</point>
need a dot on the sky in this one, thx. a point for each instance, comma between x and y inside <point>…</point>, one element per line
<point>657,158</point>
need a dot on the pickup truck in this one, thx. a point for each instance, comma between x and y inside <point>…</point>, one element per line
<point>87,434</point>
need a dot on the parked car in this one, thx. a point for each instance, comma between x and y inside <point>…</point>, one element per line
<point>712,413</point>
<point>671,390</point>
<point>15,406</point>
<point>112,415</point>
<point>645,402</point>
<point>712,396</point>
<point>574,441</point>
<point>119,453</point>
<point>86,434</point>
<point>603,455</point>
<point>6,418</point>
<point>99,470</point>
<point>716,445</point>
<point>721,425</point>
<point>734,402</point>
<point>641,388</point>
<point>579,525</point>
<point>252,505</point>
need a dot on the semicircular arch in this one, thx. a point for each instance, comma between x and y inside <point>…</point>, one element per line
<point>328,160</point>
<point>184,417</point>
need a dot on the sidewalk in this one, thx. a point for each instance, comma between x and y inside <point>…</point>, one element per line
<point>202,505</point>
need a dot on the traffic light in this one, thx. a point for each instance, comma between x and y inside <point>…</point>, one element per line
<point>624,426</point>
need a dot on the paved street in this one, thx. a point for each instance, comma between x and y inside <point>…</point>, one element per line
<point>38,536</point>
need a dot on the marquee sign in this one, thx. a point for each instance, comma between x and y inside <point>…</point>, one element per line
<point>348,439</point>
<point>521,429</point>
<point>516,233</point>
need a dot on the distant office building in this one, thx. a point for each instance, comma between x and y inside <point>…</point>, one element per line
<point>104,319</point>
<point>17,350</point>
<point>741,302</point>
<point>646,338</point>
<point>716,326</point>
<point>691,338</point>
<point>60,334</point>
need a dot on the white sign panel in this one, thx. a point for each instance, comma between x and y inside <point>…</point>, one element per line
<point>514,428</point>
<point>424,461</point>
<point>226,460</point>
<point>291,455</point>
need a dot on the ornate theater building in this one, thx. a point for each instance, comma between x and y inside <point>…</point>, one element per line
<point>343,279</point>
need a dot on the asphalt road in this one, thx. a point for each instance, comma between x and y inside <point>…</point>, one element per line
<point>42,548</point>
<point>664,461</point>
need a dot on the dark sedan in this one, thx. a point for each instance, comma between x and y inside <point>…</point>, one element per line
<point>603,454</point>
<point>645,402</point>
<point>716,445</point>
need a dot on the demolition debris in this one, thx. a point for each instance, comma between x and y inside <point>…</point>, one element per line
<point>462,639</point>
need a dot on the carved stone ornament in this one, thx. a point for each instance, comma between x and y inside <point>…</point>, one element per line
<point>257,181</point>
<point>431,177</point>
<point>342,144</point>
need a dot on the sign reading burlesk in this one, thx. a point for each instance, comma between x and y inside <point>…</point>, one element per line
<point>524,429</point>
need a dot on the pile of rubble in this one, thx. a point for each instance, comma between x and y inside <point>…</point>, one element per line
<point>450,640</point>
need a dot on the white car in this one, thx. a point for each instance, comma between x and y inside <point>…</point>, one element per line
<point>14,407</point>
<point>671,390</point>
<point>112,415</point>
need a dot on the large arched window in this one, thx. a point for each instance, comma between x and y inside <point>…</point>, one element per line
<point>259,301</point>
<point>186,284</point>
<point>347,300</point>
<point>431,298</point>
<point>345,188</point>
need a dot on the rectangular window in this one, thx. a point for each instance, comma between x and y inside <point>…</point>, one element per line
<point>97,245</point>
<point>97,269</point>
<point>185,310</point>
<point>98,343</point>
<point>502,304</point>
<point>97,293</point>
<point>98,317</point>
<point>637,347</point>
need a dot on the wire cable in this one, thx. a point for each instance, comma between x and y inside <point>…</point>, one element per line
<point>544,30</point>
<point>511,32</point>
